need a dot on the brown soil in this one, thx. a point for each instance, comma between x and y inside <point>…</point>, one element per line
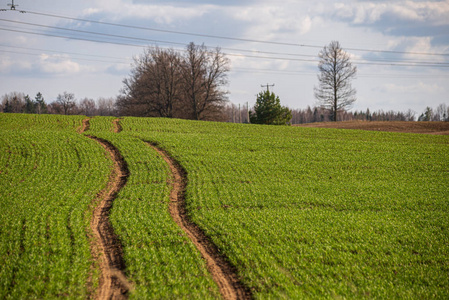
<point>221,270</point>
<point>117,126</point>
<point>441,128</point>
<point>113,283</point>
<point>105,245</point>
<point>85,126</point>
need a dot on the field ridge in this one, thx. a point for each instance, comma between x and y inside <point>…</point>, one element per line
<point>223,273</point>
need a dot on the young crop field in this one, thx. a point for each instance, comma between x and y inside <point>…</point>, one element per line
<point>317,212</point>
<point>160,260</point>
<point>49,175</point>
<point>299,212</point>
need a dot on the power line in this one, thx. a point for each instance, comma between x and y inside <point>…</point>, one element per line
<point>438,65</point>
<point>238,69</point>
<point>74,58</point>
<point>227,37</point>
<point>95,33</point>
<point>363,75</point>
<point>152,40</point>
<point>64,52</point>
<point>183,44</point>
<point>73,38</point>
<point>234,69</point>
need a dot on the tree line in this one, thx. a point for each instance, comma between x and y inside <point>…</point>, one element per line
<point>239,114</point>
<point>190,84</point>
<point>65,103</point>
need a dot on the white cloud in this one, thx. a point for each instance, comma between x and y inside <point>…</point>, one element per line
<point>8,65</point>
<point>272,21</point>
<point>159,13</point>
<point>45,65</point>
<point>420,87</point>
<point>5,64</point>
<point>430,12</point>
<point>58,64</point>
<point>306,25</point>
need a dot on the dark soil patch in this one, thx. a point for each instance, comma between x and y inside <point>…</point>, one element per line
<point>441,128</point>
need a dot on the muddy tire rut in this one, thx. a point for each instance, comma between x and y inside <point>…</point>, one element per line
<point>106,247</point>
<point>223,273</point>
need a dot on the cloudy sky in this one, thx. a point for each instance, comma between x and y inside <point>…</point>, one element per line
<point>401,48</point>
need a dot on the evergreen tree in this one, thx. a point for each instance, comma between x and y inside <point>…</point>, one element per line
<point>7,108</point>
<point>426,115</point>
<point>29,105</point>
<point>41,107</point>
<point>268,110</point>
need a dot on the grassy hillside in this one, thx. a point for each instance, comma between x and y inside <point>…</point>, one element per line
<point>300,212</point>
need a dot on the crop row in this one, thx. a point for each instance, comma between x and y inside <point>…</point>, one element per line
<point>317,213</point>
<point>160,260</point>
<point>48,180</point>
<point>300,212</point>
<point>40,122</point>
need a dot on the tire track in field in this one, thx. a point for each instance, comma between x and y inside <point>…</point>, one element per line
<point>85,126</point>
<point>117,126</point>
<point>106,247</point>
<point>221,270</point>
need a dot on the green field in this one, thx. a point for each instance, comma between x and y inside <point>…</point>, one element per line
<point>300,212</point>
<point>49,175</point>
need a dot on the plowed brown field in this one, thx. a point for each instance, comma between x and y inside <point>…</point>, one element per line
<point>390,126</point>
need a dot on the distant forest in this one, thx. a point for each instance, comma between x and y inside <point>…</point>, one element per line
<point>66,103</point>
<point>239,114</point>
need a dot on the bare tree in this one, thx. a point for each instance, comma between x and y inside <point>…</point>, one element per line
<point>13,102</point>
<point>88,107</point>
<point>203,75</point>
<point>106,106</point>
<point>164,83</point>
<point>67,101</point>
<point>55,108</point>
<point>440,113</point>
<point>334,91</point>
<point>153,89</point>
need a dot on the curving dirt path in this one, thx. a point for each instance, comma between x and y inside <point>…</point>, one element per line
<point>221,270</point>
<point>106,247</point>
<point>84,126</point>
<point>117,126</point>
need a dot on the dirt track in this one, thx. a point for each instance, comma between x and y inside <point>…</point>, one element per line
<point>106,247</point>
<point>222,272</point>
<point>117,126</point>
<point>441,128</point>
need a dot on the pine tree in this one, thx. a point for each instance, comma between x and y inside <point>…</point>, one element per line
<point>268,110</point>
<point>41,107</point>
<point>29,105</point>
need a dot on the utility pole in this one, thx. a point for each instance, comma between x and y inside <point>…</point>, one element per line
<point>267,85</point>
<point>240,115</point>
<point>247,112</point>
<point>13,7</point>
